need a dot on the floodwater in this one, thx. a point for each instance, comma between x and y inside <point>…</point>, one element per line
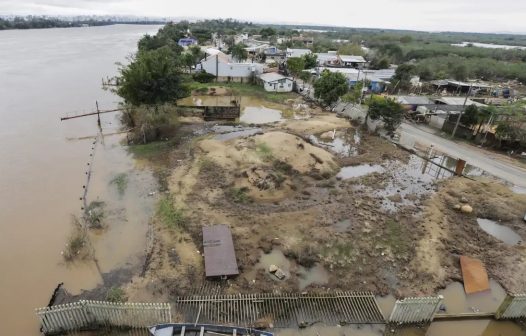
<point>501,232</point>
<point>357,171</point>
<point>253,110</point>
<point>46,74</point>
<point>488,45</point>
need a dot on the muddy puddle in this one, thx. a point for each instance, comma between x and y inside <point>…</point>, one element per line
<point>317,275</point>
<point>457,301</point>
<point>501,232</point>
<point>338,142</point>
<point>357,171</point>
<point>253,110</point>
<point>259,115</point>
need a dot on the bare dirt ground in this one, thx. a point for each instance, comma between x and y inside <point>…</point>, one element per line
<point>391,231</point>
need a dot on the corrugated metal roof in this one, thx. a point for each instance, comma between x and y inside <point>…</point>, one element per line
<point>220,256</point>
<point>352,59</point>
<point>413,100</point>
<point>272,77</point>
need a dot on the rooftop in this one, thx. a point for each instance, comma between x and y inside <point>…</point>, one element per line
<point>272,77</point>
<point>352,59</point>
<point>220,257</point>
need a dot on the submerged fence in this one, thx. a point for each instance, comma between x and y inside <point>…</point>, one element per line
<point>280,310</point>
<point>513,307</point>
<point>415,310</point>
<point>93,314</point>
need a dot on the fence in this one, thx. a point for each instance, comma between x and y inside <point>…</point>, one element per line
<point>84,315</point>
<point>513,307</point>
<point>415,310</point>
<point>280,310</point>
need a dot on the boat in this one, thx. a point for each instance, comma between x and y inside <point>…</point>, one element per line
<point>182,329</point>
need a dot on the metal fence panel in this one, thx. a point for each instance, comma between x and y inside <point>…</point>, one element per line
<point>513,307</point>
<point>415,310</point>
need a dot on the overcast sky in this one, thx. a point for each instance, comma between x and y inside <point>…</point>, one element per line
<point>435,15</point>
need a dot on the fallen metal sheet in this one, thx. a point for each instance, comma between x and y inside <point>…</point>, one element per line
<point>474,274</point>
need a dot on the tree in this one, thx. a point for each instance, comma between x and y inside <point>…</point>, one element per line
<point>267,32</point>
<point>382,63</point>
<point>355,94</point>
<point>330,87</point>
<point>295,65</point>
<point>311,60</point>
<point>197,53</point>
<point>406,39</point>
<point>239,52</point>
<point>305,76</point>
<point>470,117</point>
<point>387,110</point>
<point>153,77</point>
<point>460,72</point>
<point>351,49</point>
<point>402,77</point>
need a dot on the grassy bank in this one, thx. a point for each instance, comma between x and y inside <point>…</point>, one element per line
<point>244,89</point>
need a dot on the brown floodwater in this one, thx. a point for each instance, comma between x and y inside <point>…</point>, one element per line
<point>46,74</point>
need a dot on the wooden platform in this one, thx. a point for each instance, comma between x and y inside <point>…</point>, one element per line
<point>474,274</point>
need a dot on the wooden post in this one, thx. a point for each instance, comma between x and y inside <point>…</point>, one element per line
<point>461,164</point>
<point>98,113</point>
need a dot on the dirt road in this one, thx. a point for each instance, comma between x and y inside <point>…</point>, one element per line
<point>490,162</point>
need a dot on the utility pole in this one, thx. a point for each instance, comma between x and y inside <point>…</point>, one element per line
<point>462,112</point>
<point>98,112</point>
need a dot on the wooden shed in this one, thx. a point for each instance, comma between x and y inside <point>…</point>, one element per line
<point>220,256</point>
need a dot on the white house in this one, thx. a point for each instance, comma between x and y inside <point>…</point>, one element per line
<point>328,59</point>
<point>274,82</point>
<point>225,70</point>
<point>297,52</point>
<point>352,61</point>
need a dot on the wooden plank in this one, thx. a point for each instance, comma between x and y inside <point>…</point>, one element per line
<point>474,275</point>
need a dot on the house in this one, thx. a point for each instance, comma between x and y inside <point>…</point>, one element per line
<point>351,61</point>
<point>457,101</point>
<point>221,65</point>
<point>306,41</point>
<point>457,87</point>
<point>187,41</point>
<point>328,59</point>
<point>220,256</point>
<point>297,52</point>
<point>274,82</point>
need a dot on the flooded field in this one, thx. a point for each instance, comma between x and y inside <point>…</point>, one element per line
<point>46,74</point>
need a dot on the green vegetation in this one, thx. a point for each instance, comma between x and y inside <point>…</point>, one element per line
<point>295,65</point>
<point>150,122</point>
<point>121,182</point>
<point>264,151</point>
<point>397,238</point>
<point>116,294</point>
<point>238,52</point>
<point>330,87</point>
<point>169,215</point>
<point>387,110</point>
<point>77,244</point>
<point>239,195</point>
<point>240,89</point>
<point>94,215</point>
<point>151,149</point>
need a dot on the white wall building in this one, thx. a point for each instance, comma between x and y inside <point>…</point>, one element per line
<point>274,82</point>
<point>221,66</point>
<point>297,52</point>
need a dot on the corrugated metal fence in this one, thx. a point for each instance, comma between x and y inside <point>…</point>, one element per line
<point>415,310</point>
<point>92,314</point>
<point>513,307</point>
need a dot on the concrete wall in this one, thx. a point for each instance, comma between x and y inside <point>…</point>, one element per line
<point>224,69</point>
<point>436,122</point>
<point>286,86</point>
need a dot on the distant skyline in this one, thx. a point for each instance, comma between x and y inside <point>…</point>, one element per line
<point>485,16</point>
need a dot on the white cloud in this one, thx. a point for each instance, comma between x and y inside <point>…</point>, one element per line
<point>452,15</point>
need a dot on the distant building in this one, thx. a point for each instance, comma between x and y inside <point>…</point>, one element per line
<point>351,61</point>
<point>328,59</point>
<point>297,52</point>
<point>187,41</point>
<point>307,41</point>
<point>378,79</point>
<point>274,82</point>
<point>220,65</point>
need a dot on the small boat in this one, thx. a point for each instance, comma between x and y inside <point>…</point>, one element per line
<point>182,329</point>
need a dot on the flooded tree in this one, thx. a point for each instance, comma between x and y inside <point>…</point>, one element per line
<point>330,87</point>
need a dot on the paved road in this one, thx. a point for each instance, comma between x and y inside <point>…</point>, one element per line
<point>492,163</point>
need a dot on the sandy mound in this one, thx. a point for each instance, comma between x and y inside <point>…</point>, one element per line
<point>318,124</point>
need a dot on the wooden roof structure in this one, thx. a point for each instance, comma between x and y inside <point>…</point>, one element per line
<point>220,256</point>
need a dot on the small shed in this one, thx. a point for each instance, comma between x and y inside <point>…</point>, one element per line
<point>220,256</point>
<point>274,82</point>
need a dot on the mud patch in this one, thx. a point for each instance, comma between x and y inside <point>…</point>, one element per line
<point>501,232</point>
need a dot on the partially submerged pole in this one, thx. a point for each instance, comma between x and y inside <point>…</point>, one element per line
<point>463,110</point>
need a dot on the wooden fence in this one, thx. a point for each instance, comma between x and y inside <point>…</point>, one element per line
<point>415,310</point>
<point>513,307</point>
<point>85,315</point>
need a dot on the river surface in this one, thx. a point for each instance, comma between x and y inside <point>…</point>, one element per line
<point>46,74</point>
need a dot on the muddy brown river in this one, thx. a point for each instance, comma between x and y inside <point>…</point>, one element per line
<point>46,74</point>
